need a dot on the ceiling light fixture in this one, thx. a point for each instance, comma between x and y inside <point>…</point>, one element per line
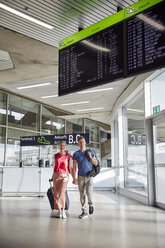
<point>16,12</point>
<point>49,96</point>
<point>92,91</point>
<point>135,110</point>
<point>32,86</point>
<point>82,110</point>
<point>74,103</point>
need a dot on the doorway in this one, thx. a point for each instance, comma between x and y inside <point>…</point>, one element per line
<point>159,159</point>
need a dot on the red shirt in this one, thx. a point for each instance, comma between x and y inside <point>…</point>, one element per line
<point>62,163</point>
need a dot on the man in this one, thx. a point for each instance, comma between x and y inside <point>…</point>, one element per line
<point>85,160</point>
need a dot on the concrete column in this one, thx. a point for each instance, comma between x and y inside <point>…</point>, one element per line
<point>150,163</point>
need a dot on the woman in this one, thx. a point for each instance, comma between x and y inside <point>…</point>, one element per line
<point>60,180</point>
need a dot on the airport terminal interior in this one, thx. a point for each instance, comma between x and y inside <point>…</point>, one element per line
<point>91,68</point>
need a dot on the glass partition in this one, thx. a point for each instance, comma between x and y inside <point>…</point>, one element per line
<point>74,126</point>
<point>135,148</point>
<point>50,123</point>
<point>13,147</point>
<point>93,129</point>
<point>2,144</point>
<point>23,118</point>
<point>29,154</point>
<point>47,155</point>
<point>3,107</point>
<point>159,160</point>
<point>23,113</point>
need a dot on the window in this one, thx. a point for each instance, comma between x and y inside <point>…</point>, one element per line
<point>2,144</point>
<point>3,106</point>
<point>50,123</point>
<point>135,148</point>
<point>30,154</point>
<point>93,129</point>
<point>23,113</point>
<point>74,126</point>
<point>13,147</point>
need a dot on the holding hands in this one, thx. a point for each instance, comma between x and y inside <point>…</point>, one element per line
<point>75,181</point>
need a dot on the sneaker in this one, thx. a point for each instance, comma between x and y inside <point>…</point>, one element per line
<point>83,215</point>
<point>63,215</point>
<point>54,213</point>
<point>91,209</point>
<point>59,214</point>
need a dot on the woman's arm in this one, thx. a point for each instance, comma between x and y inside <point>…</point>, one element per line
<point>51,179</point>
<point>74,173</point>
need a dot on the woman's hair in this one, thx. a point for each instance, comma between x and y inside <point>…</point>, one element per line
<point>61,142</point>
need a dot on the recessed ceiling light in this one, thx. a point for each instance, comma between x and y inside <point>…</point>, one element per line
<point>81,110</point>
<point>74,103</point>
<point>32,86</point>
<point>49,96</point>
<point>91,91</point>
<point>16,12</point>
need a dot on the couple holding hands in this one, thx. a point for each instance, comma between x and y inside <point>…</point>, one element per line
<point>84,159</point>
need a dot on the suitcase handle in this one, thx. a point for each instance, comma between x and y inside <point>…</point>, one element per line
<point>51,186</point>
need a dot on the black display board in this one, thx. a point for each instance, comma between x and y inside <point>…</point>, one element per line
<point>130,47</point>
<point>146,40</point>
<point>92,61</point>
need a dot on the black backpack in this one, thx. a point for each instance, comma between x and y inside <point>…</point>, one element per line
<point>95,169</point>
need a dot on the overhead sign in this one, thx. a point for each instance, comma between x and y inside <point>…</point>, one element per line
<point>127,43</point>
<point>43,140</point>
<point>109,21</point>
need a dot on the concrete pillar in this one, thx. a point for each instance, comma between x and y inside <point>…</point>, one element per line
<point>150,163</point>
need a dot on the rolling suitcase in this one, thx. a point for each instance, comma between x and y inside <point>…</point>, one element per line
<point>50,196</point>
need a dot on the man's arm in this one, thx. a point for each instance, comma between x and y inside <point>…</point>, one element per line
<point>93,159</point>
<point>74,173</point>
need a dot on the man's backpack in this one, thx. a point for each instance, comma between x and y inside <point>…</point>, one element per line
<point>95,169</point>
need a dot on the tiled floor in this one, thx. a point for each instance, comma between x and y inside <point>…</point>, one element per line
<point>117,222</point>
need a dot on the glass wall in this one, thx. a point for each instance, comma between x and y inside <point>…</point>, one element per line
<point>13,147</point>
<point>2,144</point>
<point>47,155</point>
<point>74,126</point>
<point>23,117</point>
<point>50,123</point>
<point>135,168</point>
<point>29,154</point>
<point>3,107</point>
<point>94,130</point>
<point>159,159</point>
<point>23,113</point>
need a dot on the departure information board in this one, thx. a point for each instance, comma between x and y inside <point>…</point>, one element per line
<point>92,61</point>
<point>146,40</point>
<point>129,43</point>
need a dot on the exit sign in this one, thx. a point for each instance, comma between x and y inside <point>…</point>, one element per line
<point>156,109</point>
